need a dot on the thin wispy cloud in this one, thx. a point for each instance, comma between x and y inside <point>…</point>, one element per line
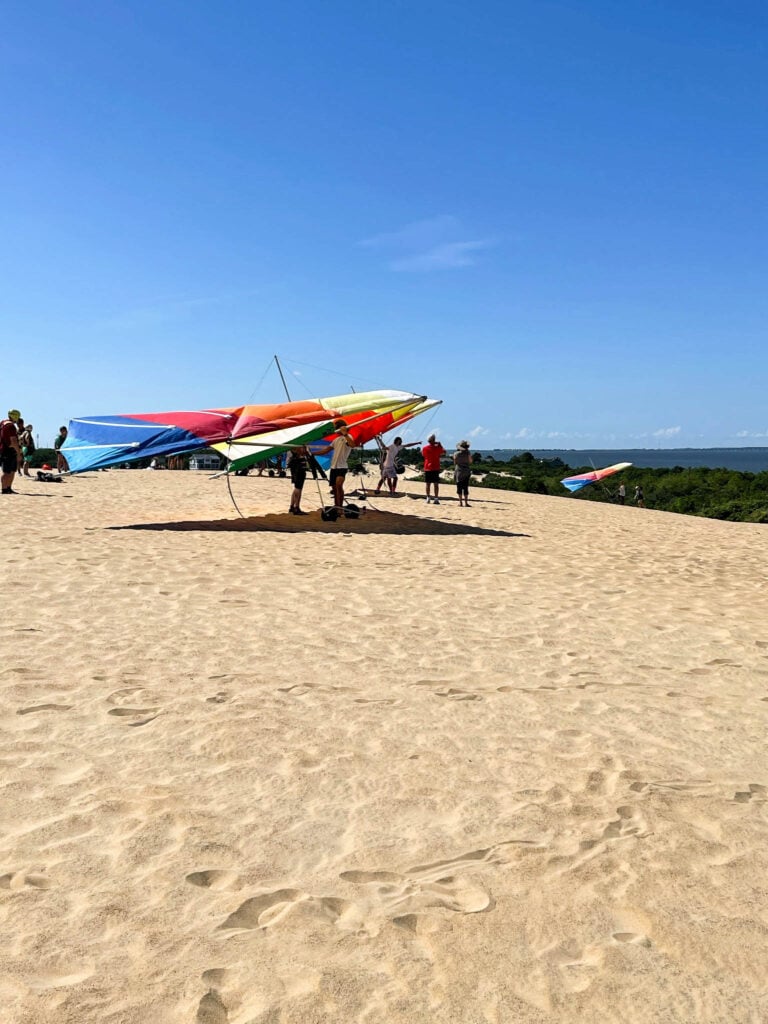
<point>752,433</point>
<point>428,245</point>
<point>529,434</point>
<point>441,257</point>
<point>667,432</point>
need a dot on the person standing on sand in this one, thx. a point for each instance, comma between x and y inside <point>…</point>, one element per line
<point>432,452</point>
<point>389,465</point>
<point>10,450</point>
<point>622,496</point>
<point>61,463</point>
<point>462,460</point>
<point>27,442</point>
<point>297,467</point>
<point>639,497</point>
<point>341,446</point>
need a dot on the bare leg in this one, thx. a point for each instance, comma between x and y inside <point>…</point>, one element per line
<point>338,491</point>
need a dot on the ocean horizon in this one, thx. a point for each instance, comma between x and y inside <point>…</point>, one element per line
<point>746,460</point>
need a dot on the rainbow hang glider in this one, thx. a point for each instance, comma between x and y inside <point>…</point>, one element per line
<point>365,413</point>
<point>575,483</point>
<point>245,434</point>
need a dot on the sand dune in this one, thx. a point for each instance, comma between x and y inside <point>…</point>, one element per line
<point>503,764</point>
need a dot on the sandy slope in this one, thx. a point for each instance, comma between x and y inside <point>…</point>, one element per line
<point>504,764</point>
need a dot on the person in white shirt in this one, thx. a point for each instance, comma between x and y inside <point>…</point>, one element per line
<point>389,464</point>
<point>341,446</point>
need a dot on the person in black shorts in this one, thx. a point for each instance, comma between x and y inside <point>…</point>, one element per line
<point>341,446</point>
<point>432,452</point>
<point>297,467</point>
<point>10,450</point>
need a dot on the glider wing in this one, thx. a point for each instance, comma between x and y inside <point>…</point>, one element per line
<point>575,483</point>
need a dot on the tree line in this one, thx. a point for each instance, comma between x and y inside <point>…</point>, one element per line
<point>713,493</point>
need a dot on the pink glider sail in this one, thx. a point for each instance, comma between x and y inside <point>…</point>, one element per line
<point>575,483</point>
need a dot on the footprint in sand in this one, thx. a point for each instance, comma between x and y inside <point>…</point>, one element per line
<point>628,823</point>
<point>270,908</point>
<point>138,716</point>
<point>211,1009</point>
<point>452,693</point>
<point>632,937</point>
<point>264,909</point>
<point>381,700</point>
<point>213,879</point>
<point>20,879</point>
<point>132,695</point>
<point>44,707</point>
<point>755,792</point>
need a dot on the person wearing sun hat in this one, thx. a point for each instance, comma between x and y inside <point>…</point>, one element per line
<point>462,460</point>
<point>10,450</point>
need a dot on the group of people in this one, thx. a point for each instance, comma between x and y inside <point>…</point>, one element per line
<point>300,459</point>
<point>17,446</point>
<point>638,497</point>
<point>432,453</point>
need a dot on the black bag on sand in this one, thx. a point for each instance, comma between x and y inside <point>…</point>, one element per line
<point>48,478</point>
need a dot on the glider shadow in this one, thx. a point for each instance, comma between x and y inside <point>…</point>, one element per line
<point>369,523</point>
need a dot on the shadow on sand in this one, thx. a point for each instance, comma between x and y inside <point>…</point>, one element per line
<point>369,523</point>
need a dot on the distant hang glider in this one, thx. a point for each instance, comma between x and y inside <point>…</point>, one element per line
<point>245,434</point>
<point>575,483</point>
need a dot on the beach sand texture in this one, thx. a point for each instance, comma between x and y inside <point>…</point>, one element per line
<point>496,765</point>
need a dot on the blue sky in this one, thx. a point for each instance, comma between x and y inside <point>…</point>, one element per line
<point>550,215</point>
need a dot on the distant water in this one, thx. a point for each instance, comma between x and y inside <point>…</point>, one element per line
<point>748,460</point>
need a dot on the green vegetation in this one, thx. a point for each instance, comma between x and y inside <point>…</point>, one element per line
<point>713,493</point>
<point>42,456</point>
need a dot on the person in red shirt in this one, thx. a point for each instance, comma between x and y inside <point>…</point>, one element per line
<point>10,450</point>
<point>432,452</point>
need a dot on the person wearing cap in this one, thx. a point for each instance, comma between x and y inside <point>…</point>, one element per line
<point>432,452</point>
<point>462,460</point>
<point>341,446</point>
<point>10,450</point>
